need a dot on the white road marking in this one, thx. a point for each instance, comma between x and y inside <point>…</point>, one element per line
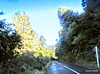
<point>69,68</point>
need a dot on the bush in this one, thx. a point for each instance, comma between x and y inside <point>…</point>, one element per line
<point>8,42</point>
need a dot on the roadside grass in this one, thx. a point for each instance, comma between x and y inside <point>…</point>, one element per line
<point>87,63</point>
<point>80,61</point>
<point>28,71</point>
<point>26,64</point>
<point>47,66</point>
<point>36,71</point>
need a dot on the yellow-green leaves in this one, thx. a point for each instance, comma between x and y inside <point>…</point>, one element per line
<point>61,11</point>
<point>30,39</point>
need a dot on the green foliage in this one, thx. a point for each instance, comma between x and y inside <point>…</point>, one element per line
<point>80,36</point>
<point>24,63</point>
<point>42,41</point>
<point>66,33</point>
<point>91,5</point>
<point>8,42</point>
<point>24,43</point>
<point>61,11</point>
<point>60,32</point>
<point>68,17</point>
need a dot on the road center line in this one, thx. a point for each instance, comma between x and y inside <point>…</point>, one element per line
<point>69,68</point>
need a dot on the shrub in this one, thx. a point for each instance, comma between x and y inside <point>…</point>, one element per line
<point>8,42</point>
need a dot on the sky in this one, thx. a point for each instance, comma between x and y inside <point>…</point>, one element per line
<point>42,14</point>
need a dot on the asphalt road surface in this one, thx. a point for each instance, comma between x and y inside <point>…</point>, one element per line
<point>58,67</point>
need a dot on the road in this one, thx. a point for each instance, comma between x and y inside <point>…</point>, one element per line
<point>58,67</point>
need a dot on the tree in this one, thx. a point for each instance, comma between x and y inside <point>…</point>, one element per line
<point>22,25</point>
<point>42,40</point>
<point>80,32</point>
<point>30,39</point>
<point>83,3</point>
<point>61,11</point>
<point>91,5</point>
<point>9,40</point>
<point>66,17</point>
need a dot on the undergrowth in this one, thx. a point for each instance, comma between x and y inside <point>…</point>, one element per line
<point>25,64</point>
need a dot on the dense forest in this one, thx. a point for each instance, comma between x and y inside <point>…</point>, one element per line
<point>80,33</point>
<point>23,50</point>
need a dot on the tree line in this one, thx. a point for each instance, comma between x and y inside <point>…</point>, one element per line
<point>79,34</point>
<point>21,48</point>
